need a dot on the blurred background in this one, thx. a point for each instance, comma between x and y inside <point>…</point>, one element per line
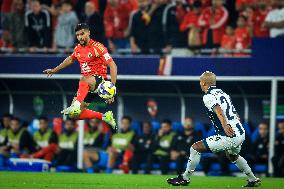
<point>161,47</point>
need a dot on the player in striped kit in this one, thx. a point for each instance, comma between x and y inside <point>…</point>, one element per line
<point>229,136</point>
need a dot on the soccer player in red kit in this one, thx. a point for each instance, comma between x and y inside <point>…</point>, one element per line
<point>94,60</point>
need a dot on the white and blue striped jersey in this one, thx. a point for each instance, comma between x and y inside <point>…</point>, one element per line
<point>215,96</point>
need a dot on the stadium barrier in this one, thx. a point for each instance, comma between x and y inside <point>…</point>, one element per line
<point>120,104</point>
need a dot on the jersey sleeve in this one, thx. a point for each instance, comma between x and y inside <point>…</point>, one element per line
<point>73,55</point>
<point>210,101</point>
<point>102,52</point>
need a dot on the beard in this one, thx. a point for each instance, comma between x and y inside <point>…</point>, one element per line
<point>83,42</point>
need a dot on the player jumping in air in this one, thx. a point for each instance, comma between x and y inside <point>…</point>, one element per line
<point>229,136</point>
<point>94,59</point>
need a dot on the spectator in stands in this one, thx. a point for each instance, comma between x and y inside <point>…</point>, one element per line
<point>180,150</point>
<point>65,29</point>
<point>37,23</point>
<point>121,146</point>
<point>95,21</point>
<point>6,7</point>
<point>242,35</point>
<point>172,18</point>
<point>155,27</point>
<point>93,142</point>
<point>163,145</point>
<point>190,25</point>
<point>5,126</point>
<point>15,24</point>
<point>228,41</point>
<point>213,21</point>
<point>278,159</point>
<point>138,28</point>
<point>116,19</point>
<point>54,10</point>
<point>19,141</point>
<point>274,21</point>
<point>46,141</point>
<point>100,6</point>
<point>260,146</point>
<point>258,18</point>
<point>242,4</point>
<point>67,151</point>
<point>143,149</point>
<point>6,40</point>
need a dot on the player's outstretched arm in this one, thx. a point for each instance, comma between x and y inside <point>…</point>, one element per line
<point>67,62</point>
<point>113,71</point>
<point>220,114</point>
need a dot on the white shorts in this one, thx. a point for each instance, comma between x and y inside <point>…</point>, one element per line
<point>217,143</point>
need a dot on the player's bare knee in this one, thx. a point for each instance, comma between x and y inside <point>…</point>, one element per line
<point>194,146</point>
<point>84,78</point>
<point>198,146</point>
<point>232,158</point>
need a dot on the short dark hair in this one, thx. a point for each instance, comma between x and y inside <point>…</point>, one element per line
<point>68,2</point>
<point>33,1</point>
<point>196,4</point>
<point>81,26</point>
<point>16,119</point>
<point>7,115</point>
<point>167,121</point>
<point>127,117</point>
<point>44,118</point>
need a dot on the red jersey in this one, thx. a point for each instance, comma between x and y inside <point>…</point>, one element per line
<point>190,19</point>
<point>240,3</point>
<point>228,42</point>
<point>219,17</point>
<point>258,19</point>
<point>93,58</point>
<point>6,6</point>
<point>243,39</point>
<point>204,3</point>
<point>116,18</point>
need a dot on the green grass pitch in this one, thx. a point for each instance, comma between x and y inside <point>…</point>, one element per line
<point>114,181</point>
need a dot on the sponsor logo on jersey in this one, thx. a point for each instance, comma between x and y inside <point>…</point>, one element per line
<point>85,68</point>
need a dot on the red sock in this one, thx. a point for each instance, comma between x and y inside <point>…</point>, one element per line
<point>89,114</point>
<point>82,91</point>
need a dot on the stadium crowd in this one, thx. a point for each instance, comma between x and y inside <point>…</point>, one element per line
<point>143,26</point>
<point>137,147</point>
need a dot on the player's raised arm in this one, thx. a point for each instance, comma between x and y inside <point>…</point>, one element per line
<point>220,114</point>
<point>67,62</point>
<point>113,71</point>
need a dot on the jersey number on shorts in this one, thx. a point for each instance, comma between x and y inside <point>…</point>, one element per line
<point>229,109</point>
<point>216,139</point>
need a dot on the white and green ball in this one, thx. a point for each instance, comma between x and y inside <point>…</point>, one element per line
<point>106,90</point>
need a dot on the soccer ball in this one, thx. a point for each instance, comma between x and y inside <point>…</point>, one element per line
<point>106,90</point>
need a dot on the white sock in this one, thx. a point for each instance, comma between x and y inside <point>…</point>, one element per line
<point>242,164</point>
<point>77,103</point>
<point>192,162</point>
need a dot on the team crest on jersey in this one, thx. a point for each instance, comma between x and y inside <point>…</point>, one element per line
<point>90,55</point>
